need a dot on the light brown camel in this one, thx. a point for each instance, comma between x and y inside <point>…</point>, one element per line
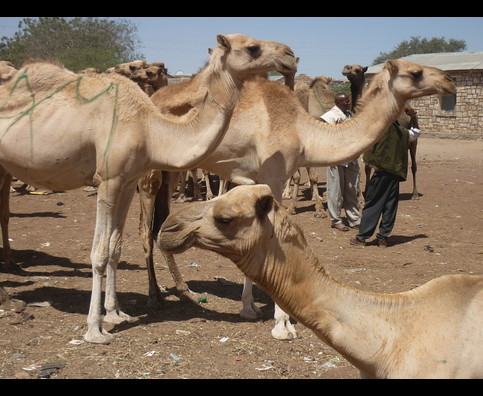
<point>271,136</point>
<point>356,75</point>
<point>433,331</point>
<point>316,98</point>
<point>7,71</point>
<point>63,131</point>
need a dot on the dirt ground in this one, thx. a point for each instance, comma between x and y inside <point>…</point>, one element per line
<point>441,233</point>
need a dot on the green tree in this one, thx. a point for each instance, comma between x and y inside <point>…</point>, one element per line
<point>417,45</point>
<point>77,42</point>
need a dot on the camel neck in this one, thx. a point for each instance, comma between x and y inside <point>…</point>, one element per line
<point>326,145</point>
<point>336,313</point>
<point>193,137</point>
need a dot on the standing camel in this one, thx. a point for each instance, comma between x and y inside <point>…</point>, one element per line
<point>7,71</point>
<point>270,136</point>
<point>64,131</point>
<point>433,331</point>
<point>316,98</point>
<point>356,75</point>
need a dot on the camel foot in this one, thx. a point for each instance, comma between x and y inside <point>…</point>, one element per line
<point>320,215</point>
<point>98,336</point>
<point>155,299</point>
<point>12,304</point>
<point>188,295</point>
<point>284,331</point>
<point>154,302</point>
<point>115,317</point>
<point>251,313</point>
<point>11,266</point>
<point>416,196</point>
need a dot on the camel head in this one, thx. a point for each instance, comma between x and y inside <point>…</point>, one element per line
<point>7,71</point>
<point>354,72</point>
<point>246,57</point>
<point>230,224</point>
<point>414,81</point>
<point>407,80</point>
<point>321,82</point>
<point>132,70</point>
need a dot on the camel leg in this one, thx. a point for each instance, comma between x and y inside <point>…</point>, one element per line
<point>286,192</point>
<point>414,166</point>
<point>314,179</point>
<point>295,192</point>
<point>249,311</point>
<point>182,186</point>
<point>162,208</point>
<point>113,201</point>
<point>209,191</point>
<point>283,329</point>
<point>148,188</point>
<point>196,187</point>
<point>5,183</point>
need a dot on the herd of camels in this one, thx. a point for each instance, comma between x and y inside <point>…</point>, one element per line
<point>61,131</point>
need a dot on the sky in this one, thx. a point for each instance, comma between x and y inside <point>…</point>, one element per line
<point>323,44</point>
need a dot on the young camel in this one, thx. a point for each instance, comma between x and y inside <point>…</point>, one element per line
<point>271,136</point>
<point>64,131</point>
<point>433,331</point>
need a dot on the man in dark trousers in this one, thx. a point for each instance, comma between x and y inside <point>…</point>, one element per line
<point>389,158</point>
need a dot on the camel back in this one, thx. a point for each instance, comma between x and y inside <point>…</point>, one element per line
<point>36,84</point>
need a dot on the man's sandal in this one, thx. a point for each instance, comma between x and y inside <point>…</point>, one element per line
<point>340,227</point>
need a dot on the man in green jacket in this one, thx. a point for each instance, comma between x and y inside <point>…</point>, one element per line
<point>389,158</point>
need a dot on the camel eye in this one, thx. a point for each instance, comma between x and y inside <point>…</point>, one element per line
<point>223,220</point>
<point>417,74</point>
<point>253,49</point>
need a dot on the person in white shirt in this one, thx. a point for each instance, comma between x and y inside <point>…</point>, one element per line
<point>342,179</point>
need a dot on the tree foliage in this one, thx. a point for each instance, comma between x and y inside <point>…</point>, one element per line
<point>417,45</point>
<point>77,42</point>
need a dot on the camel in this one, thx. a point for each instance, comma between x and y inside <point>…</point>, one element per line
<point>432,331</point>
<point>7,71</point>
<point>64,131</point>
<point>317,98</point>
<point>271,135</point>
<point>356,75</point>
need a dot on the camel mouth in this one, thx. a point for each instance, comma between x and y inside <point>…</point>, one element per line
<point>286,66</point>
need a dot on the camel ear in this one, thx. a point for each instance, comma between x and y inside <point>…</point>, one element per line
<point>223,42</point>
<point>264,205</point>
<point>210,51</point>
<point>391,66</point>
<point>364,69</point>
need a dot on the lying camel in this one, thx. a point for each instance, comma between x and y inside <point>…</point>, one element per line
<point>433,331</point>
<point>63,131</point>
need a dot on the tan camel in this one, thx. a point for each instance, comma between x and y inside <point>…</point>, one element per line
<point>271,136</point>
<point>433,331</point>
<point>356,75</point>
<point>316,98</point>
<point>7,71</point>
<point>64,131</point>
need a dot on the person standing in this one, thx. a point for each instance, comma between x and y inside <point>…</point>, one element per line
<point>342,179</point>
<point>389,158</point>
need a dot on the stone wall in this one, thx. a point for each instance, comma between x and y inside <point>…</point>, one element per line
<point>466,121</point>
